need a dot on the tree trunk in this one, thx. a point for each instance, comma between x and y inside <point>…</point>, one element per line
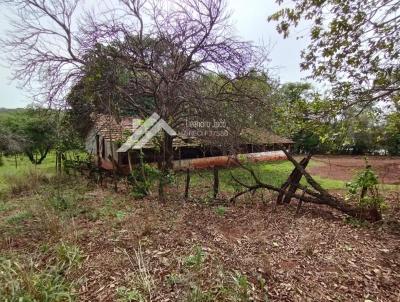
<point>292,182</point>
<point>187,186</point>
<point>34,158</point>
<point>165,163</point>
<point>168,151</point>
<point>130,161</point>
<point>58,163</point>
<point>216,182</point>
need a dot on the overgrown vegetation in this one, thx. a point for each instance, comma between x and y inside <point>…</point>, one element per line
<point>56,227</point>
<point>253,232</point>
<point>364,189</point>
<point>27,282</point>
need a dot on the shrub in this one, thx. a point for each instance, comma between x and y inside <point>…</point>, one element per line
<point>241,286</point>
<point>142,178</point>
<point>364,188</point>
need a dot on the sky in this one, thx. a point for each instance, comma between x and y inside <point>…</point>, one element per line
<point>250,20</point>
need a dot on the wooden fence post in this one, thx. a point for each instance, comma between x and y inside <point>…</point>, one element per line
<point>216,181</point>
<point>187,186</point>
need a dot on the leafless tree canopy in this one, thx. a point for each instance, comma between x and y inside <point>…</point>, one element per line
<point>43,45</point>
<point>165,47</point>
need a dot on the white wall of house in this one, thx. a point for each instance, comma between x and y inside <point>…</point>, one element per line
<point>90,142</point>
<point>109,150</point>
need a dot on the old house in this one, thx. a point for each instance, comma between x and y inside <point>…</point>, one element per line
<point>107,135</point>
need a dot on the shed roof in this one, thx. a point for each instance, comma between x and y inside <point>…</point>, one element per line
<point>107,127</point>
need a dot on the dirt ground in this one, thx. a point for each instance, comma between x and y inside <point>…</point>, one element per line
<point>315,256</point>
<point>344,167</point>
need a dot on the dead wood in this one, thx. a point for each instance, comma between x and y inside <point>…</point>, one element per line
<point>292,182</point>
<point>316,194</point>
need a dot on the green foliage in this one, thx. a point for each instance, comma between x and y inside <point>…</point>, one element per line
<point>142,178</point>
<point>120,215</point>
<point>27,182</point>
<point>198,295</point>
<point>29,284</point>
<point>26,177</point>
<point>59,203</point>
<point>366,179</point>
<point>68,256</point>
<point>220,210</point>
<point>356,48</point>
<point>129,295</point>
<point>317,124</point>
<point>241,287</point>
<point>392,131</point>
<point>19,217</point>
<point>196,259</point>
<point>356,222</point>
<point>35,132</point>
<point>298,115</point>
<point>364,188</point>
<point>174,279</point>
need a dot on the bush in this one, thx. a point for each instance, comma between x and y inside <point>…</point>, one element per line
<point>196,259</point>
<point>142,179</point>
<point>364,189</point>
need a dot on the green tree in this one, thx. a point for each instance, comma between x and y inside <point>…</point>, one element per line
<point>392,131</point>
<point>354,44</point>
<point>29,131</point>
<point>304,116</point>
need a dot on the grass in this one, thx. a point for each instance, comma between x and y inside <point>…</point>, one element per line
<point>26,281</point>
<point>50,241</point>
<point>274,173</point>
<point>10,174</point>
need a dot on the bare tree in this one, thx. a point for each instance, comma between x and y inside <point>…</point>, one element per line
<point>169,52</point>
<point>160,51</point>
<point>167,58</point>
<point>44,46</point>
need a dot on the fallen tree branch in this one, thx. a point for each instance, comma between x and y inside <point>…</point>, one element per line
<point>319,196</point>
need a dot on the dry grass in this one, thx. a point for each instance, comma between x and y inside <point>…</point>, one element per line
<point>143,250</point>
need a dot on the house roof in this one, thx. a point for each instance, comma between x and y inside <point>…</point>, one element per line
<point>107,127</point>
<point>264,137</point>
